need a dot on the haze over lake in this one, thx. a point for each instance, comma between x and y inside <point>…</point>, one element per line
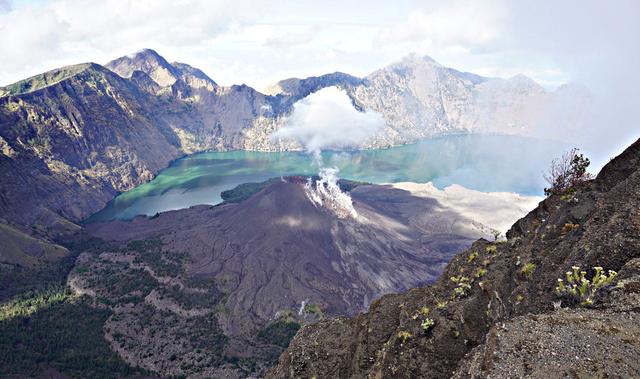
<point>487,163</point>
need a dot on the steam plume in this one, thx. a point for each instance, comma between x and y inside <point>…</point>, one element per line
<point>328,120</point>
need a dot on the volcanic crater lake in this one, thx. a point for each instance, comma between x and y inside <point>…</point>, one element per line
<point>480,162</point>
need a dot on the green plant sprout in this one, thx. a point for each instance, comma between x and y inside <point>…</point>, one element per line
<point>462,288</point>
<point>404,335</point>
<point>427,324</point>
<point>528,269</point>
<point>582,289</point>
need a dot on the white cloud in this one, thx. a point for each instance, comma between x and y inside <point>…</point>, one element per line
<point>456,26</point>
<point>327,119</point>
<point>38,37</point>
<point>259,43</point>
<point>290,38</point>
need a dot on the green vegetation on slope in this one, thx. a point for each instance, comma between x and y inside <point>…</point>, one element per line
<point>22,278</point>
<point>244,191</point>
<point>63,335</point>
<point>16,279</point>
<point>42,80</point>
<point>279,333</point>
<point>29,303</point>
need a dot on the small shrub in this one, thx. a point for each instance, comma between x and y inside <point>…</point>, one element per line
<point>311,308</point>
<point>491,249</point>
<point>566,173</point>
<point>424,311</point>
<point>427,324</point>
<point>569,227</point>
<point>472,257</point>
<point>404,335</point>
<point>528,269</point>
<point>581,289</point>
<point>441,304</point>
<point>481,272</point>
<point>462,288</point>
<point>568,195</point>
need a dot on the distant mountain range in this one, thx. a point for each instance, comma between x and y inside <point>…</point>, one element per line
<point>72,138</point>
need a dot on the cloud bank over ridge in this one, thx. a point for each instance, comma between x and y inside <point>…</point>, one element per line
<point>327,119</point>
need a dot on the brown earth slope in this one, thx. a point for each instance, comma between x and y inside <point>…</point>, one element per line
<point>271,260</point>
<point>495,311</point>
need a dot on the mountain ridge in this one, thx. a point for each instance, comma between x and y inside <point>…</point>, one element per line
<point>92,128</point>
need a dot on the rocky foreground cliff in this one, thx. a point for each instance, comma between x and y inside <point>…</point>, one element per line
<point>508,309</point>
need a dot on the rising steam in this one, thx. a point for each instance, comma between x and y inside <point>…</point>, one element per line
<point>327,120</point>
<point>326,192</point>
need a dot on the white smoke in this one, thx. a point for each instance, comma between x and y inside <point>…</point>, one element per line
<point>327,119</point>
<point>325,192</point>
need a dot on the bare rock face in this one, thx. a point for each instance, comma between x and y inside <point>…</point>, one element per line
<point>149,62</point>
<point>69,147</point>
<point>269,262</point>
<point>501,299</point>
<point>420,98</point>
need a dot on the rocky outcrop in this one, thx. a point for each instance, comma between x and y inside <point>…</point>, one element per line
<point>495,311</point>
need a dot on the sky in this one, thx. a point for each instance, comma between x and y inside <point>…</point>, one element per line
<point>595,43</point>
<point>261,42</point>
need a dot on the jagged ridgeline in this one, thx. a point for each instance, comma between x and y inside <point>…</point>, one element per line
<point>558,298</point>
<point>72,138</point>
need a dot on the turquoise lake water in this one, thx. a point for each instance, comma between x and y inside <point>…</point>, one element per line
<point>481,162</point>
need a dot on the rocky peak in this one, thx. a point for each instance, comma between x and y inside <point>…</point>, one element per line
<point>297,88</point>
<point>160,70</point>
<point>149,62</point>
<point>417,60</point>
<point>192,71</point>
<point>523,81</point>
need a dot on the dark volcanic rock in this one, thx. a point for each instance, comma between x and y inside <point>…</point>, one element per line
<point>277,255</point>
<point>507,309</point>
<point>280,243</point>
